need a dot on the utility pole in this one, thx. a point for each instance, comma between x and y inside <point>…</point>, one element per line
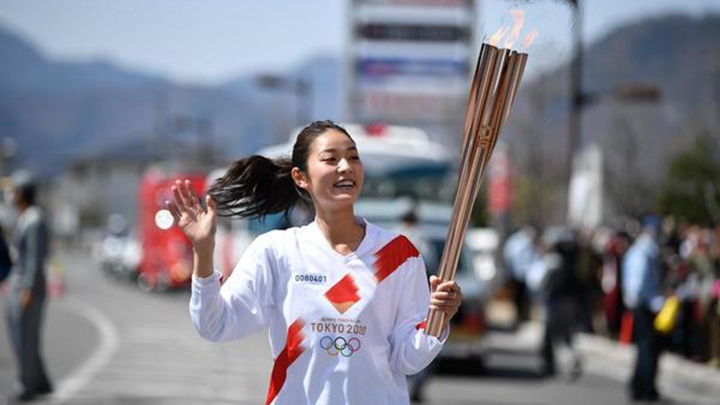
<point>8,151</point>
<point>577,98</point>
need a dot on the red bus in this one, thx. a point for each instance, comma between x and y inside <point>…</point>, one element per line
<point>166,259</point>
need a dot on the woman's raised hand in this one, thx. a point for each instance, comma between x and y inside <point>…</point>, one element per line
<point>196,221</point>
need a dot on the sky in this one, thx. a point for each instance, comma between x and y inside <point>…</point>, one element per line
<point>212,41</point>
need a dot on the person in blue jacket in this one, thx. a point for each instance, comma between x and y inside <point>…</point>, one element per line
<point>642,293</point>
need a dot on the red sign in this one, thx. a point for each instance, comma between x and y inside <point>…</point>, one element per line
<point>500,183</point>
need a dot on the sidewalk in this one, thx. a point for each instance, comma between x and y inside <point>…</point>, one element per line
<point>674,369</point>
<point>609,356</point>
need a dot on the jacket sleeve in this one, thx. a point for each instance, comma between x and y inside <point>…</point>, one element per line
<point>651,291</point>
<point>35,254</point>
<point>243,303</point>
<point>413,350</point>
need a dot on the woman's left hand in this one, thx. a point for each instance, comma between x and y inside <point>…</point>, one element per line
<point>445,297</point>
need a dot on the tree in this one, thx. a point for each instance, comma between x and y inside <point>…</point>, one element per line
<point>691,189</point>
<point>630,185</point>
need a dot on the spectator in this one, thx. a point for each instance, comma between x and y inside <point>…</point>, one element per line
<point>519,254</point>
<point>555,277</point>
<point>5,262</point>
<point>26,301</point>
<point>643,295</point>
<point>588,267</point>
<point>611,281</point>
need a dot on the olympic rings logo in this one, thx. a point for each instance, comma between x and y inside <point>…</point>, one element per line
<point>340,345</point>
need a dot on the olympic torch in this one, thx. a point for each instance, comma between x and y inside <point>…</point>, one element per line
<point>492,94</point>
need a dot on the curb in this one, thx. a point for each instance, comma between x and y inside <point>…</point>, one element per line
<point>674,370</point>
<point>692,376</point>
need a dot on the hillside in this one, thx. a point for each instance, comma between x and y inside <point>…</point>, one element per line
<point>58,111</point>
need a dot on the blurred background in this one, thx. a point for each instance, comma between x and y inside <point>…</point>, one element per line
<point>617,121</point>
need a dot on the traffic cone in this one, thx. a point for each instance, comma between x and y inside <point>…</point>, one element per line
<point>56,280</point>
<point>626,328</point>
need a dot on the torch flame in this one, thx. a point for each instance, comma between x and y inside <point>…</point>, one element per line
<point>530,38</point>
<point>518,21</point>
<point>497,36</point>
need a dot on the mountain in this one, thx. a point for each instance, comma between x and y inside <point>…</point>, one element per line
<point>54,109</point>
<point>60,111</point>
<point>24,70</point>
<point>678,56</point>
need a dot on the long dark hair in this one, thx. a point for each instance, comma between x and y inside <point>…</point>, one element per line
<point>256,186</point>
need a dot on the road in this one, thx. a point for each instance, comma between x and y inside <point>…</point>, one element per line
<point>106,342</point>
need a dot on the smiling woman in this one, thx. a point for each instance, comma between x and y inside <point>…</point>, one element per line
<point>344,300</point>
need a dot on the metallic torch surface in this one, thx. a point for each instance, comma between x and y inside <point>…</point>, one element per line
<point>492,93</point>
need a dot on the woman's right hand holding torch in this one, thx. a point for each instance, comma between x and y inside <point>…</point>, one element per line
<point>197,223</point>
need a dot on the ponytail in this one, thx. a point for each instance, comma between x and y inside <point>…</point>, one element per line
<point>256,186</point>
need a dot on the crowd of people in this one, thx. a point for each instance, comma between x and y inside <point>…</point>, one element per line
<point>689,268</point>
<point>615,282</point>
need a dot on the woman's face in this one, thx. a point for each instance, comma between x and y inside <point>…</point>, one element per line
<point>335,173</point>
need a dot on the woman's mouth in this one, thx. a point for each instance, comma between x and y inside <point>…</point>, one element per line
<point>344,184</point>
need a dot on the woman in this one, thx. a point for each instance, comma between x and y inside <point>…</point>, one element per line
<point>344,300</point>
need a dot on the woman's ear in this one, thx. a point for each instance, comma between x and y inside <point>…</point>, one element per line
<point>299,178</point>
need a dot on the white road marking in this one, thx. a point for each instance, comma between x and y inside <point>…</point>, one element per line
<point>109,342</point>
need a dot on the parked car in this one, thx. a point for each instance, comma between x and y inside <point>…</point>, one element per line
<point>118,252</point>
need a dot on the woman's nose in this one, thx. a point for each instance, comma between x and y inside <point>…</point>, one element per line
<point>344,166</point>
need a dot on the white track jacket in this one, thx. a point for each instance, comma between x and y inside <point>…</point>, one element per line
<point>343,329</point>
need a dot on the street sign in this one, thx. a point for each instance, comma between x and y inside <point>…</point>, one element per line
<point>377,105</point>
<point>382,67</point>
<point>413,32</point>
<point>408,62</point>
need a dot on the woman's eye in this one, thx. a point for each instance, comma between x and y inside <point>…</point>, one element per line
<point>354,157</point>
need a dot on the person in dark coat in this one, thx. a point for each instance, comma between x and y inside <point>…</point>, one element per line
<point>555,276</point>
<point>26,301</point>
